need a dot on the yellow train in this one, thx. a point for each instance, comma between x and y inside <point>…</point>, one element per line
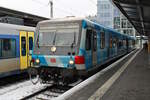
<point>16,44</point>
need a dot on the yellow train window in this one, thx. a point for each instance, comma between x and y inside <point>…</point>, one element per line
<point>23,46</point>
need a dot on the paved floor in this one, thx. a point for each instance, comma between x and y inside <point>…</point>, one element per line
<point>134,83</point>
<point>87,91</point>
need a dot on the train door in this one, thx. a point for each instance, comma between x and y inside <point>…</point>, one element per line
<point>23,50</point>
<point>94,48</point>
<point>30,46</point>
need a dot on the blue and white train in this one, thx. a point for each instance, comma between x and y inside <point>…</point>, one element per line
<point>68,47</point>
<point>16,44</point>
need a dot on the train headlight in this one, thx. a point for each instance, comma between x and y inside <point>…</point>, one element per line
<point>71,62</point>
<point>37,61</point>
<point>53,49</point>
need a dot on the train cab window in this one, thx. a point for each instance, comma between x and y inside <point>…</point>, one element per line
<point>23,46</point>
<point>94,40</point>
<point>7,48</point>
<point>88,39</point>
<point>102,40</point>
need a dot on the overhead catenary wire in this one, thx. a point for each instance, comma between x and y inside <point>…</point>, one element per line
<point>77,11</point>
<point>60,9</point>
<point>68,11</point>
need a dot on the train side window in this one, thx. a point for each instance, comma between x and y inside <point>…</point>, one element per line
<point>95,40</point>
<point>124,42</point>
<point>114,42</point>
<point>117,42</point>
<point>102,40</point>
<point>8,48</point>
<point>120,43</point>
<point>6,44</point>
<point>23,46</point>
<point>133,42</point>
<point>88,39</point>
<point>0,48</point>
<point>30,43</point>
<point>110,42</point>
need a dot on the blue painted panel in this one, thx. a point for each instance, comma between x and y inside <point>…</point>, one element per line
<point>84,24</point>
<point>88,57</point>
<point>41,58</point>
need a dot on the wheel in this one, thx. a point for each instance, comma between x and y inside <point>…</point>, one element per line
<point>33,75</point>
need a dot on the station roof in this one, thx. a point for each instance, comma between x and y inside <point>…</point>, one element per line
<point>137,12</point>
<point>29,19</point>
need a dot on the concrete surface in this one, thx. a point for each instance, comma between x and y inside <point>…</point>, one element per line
<point>87,91</point>
<point>134,83</point>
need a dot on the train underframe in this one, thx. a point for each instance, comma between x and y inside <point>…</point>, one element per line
<point>55,75</point>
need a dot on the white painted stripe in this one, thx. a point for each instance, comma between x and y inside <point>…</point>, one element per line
<point>83,84</point>
<point>103,89</point>
<point>80,66</point>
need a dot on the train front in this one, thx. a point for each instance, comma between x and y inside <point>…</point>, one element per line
<point>55,49</point>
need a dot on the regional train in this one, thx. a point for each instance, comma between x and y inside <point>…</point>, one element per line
<point>16,44</point>
<point>68,47</point>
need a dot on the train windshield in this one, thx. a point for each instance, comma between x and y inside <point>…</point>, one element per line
<point>58,36</point>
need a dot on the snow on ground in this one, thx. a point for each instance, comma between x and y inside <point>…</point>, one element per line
<point>20,90</point>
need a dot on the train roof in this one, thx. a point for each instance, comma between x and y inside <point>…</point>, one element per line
<point>67,19</point>
<point>79,19</point>
<point>16,27</point>
<point>99,26</point>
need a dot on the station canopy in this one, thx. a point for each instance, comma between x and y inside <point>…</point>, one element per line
<point>18,17</point>
<point>137,12</point>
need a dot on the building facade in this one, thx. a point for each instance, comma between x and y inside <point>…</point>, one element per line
<point>105,13</point>
<point>110,16</point>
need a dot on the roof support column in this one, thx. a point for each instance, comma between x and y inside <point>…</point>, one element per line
<point>140,15</point>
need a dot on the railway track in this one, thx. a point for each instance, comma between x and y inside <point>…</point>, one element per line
<point>50,92</point>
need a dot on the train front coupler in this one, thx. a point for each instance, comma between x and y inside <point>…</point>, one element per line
<point>34,73</point>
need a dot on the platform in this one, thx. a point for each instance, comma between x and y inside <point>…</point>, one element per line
<point>132,84</point>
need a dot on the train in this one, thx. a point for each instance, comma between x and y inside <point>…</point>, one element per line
<point>65,48</point>
<point>16,42</point>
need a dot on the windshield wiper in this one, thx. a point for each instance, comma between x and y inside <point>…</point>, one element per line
<point>74,40</point>
<point>54,39</point>
<point>38,41</point>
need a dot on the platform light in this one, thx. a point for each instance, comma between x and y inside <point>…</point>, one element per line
<point>37,61</point>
